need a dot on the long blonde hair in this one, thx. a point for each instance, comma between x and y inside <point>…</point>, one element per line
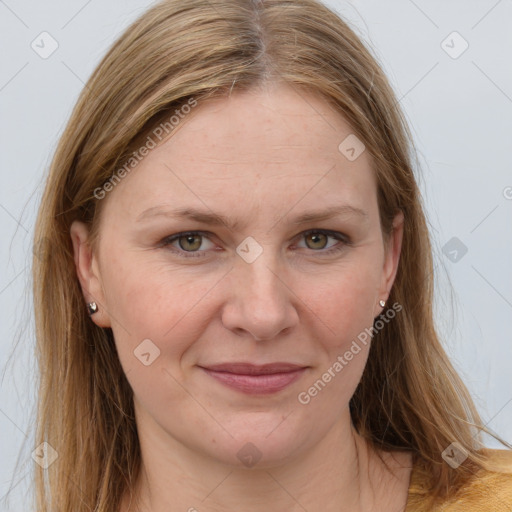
<point>410,397</point>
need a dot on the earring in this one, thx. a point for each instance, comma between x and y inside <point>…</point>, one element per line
<point>382,303</point>
<point>92,307</point>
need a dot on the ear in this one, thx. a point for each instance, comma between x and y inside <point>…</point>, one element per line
<point>391,259</point>
<point>87,269</point>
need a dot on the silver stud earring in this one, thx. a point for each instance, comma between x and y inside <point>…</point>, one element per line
<point>92,307</point>
<point>382,303</point>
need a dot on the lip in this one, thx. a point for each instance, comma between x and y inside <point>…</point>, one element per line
<point>255,379</point>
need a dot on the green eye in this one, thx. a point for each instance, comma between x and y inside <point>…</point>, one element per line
<point>318,240</point>
<point>190,242</point>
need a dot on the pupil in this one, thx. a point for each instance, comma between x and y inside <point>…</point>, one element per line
<point>189,240</point>
<point>316,236</point>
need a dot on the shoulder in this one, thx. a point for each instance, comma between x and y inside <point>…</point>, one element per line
<point>490,490</point>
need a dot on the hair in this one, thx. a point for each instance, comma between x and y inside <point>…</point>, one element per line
<point>409,398</point>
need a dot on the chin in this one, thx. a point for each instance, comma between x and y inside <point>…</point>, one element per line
<point>264,444</point>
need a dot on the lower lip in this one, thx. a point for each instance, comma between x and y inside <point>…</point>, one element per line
<point>256,384</point>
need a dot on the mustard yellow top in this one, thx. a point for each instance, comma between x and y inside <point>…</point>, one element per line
<point>488,491</point>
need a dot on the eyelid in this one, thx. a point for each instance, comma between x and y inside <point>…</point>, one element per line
<point>329,233</point>
<point>341,237</point>
<point>168,240</point>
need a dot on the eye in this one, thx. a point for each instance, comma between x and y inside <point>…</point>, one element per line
<point>189,242</point>
<point>317,239</point>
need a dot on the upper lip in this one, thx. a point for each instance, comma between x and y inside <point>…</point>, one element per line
<point>253,369</point>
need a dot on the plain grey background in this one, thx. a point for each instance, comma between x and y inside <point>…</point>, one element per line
<point>456,91</point>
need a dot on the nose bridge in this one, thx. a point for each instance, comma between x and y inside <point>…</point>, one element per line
<point>261,302</point>
<point>262,275</point>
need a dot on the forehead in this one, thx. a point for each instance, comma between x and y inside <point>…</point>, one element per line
<point>268,127</point>
<point>263,149</point>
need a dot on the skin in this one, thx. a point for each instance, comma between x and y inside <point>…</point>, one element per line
<point>261,158</point>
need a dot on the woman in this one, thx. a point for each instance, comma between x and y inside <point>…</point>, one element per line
<point>235,307</point>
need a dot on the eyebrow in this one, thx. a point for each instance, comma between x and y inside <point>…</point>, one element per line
<point>215,219</point>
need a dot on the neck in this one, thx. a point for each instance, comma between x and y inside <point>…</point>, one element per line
<point>339,474</point>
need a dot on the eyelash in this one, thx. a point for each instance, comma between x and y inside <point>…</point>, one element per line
<point>167,241</point>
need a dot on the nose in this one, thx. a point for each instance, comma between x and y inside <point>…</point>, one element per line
<point>260,301</point>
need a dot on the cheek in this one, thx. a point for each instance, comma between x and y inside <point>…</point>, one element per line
<point>147,301</point>
<point>345,305</point>
<point>156,317</point>
<point>344,302</point>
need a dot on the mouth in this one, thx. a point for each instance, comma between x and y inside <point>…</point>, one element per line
<point>255,379</point>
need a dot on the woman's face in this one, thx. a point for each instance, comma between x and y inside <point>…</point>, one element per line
<point>263,290</point>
